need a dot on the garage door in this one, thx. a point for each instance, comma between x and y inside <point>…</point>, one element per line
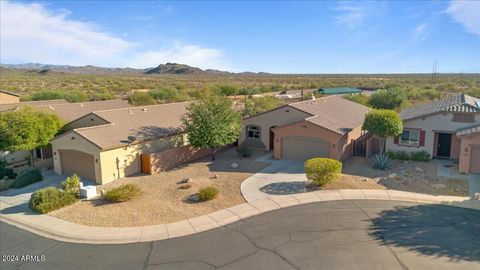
<point>302,148</point>
<point>79,163</point>
<point>475,159</point>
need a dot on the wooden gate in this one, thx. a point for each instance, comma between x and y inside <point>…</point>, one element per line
<point>146,163</point>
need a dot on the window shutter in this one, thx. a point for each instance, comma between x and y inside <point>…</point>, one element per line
<point>396,140</point>
<point>422,138</point>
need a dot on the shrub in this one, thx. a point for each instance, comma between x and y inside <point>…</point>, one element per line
<point>401,155</point>
<point>72,185</point>
<point>6,172</point>
<point>423,156</point>
<point>27,177</point>
<point>122,193</point>
<point>244,151</point>
<point>141,98</point>
<point>381,161</point>
<point>322,171</point>
<point>207,193</point>
<point>48,199</point>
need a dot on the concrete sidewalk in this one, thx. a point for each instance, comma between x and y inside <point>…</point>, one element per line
<point>21,216</point>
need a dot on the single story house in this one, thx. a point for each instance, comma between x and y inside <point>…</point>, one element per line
<point>67,112</point>
<point>446,128</point>
<point>8,97</point>
<point>121,142</point>
<point>339,91</point>
<point>325,127</point>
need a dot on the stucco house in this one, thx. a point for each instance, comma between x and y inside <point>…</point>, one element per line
<point>446,128</point>
<point>67,112</point>
<point>325,127</point>
<point>8,97</point>
<point>122,141</point>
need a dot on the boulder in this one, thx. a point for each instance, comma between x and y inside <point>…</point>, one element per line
<point>234,165</point>
<point>185,181</point>
<point>194,198</point>
<point>392,175</point>
<point>418,169</point>
<point>439,186</point>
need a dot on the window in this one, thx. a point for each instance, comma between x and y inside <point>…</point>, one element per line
<point>253,132</point>
<point>410,137</point>
<point>463,117</point>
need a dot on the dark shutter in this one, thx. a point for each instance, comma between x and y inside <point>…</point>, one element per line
<point>422,138</point>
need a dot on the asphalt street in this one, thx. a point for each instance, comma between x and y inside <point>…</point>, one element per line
<point>324,235</point>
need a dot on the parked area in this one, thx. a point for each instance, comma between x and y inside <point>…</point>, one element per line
<point>163,200</point>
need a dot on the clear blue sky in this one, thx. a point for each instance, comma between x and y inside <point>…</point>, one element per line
<point>278,37</point>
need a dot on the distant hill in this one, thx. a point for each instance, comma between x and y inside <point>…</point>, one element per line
<point>168,68</point>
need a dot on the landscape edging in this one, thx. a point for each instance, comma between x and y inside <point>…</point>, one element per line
<point>65,231</point>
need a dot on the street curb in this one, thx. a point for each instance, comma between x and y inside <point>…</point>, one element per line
<point>61,230</point>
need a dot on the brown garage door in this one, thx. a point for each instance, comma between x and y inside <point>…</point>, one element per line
<point>76,162</point>
<point>303,148</point>
<point>475,159</point>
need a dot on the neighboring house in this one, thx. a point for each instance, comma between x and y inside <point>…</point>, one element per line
<point>325,127</point>
<point>339,91</point>
<point>67,112</point>
<point>122,142</point>
<point>446,128</point>
<point>8,97</point>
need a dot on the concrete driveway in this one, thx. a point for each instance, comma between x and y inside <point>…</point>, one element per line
<point>280,178</point>
<point>324,235</point>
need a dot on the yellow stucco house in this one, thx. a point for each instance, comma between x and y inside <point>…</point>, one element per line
<point>111,144</point>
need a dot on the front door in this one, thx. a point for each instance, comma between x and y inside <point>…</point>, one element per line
<point>444,143</point>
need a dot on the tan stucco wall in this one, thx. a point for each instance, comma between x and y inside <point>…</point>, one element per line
<point>88,120</point>
<point>277,117</point>
<point>8,99</point>
<point>346,143</point>
<point>441,122</point>
<point>465,150</point>
<point>13,157</point>
<point>125,161</point>
<point>65,142</point>
<point>307,129</point>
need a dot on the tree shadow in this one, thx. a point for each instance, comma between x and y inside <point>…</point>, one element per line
<point>434,230</point>
<point>285,188</point>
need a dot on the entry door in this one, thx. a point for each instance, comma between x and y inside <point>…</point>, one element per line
<point>444,144</point>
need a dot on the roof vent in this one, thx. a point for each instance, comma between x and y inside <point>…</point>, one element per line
<point>130,112</point>
<point>52,108</point>
<point>81,105</point>
<point>144,109</point>
<point>313,96</point>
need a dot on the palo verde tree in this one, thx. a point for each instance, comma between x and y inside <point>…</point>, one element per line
<point>383,124</point>
<point>26,129</point>
<point>211,123</point>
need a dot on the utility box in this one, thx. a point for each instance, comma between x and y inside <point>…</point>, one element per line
<point>88,192</point>
<point>474,184</point>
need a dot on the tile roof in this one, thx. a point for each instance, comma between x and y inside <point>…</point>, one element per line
<point>468,130</point>
<point>72,111</point>
<point>135,124</point>
<point>452,103</point>
<point>12,106</point>
<point>334,113</point>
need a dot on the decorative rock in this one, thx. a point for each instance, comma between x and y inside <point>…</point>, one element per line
<point>234,165</point>
<point>392,175</point>
<point>194,198</point>
<point>215,176</point>
<point>476,196</point>
<point>439,186</point>
<point>185,181</point>
<point>102,193</point>
<point>418,169</point>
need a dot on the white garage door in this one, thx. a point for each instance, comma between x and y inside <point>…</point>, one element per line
<point>79,163</point>
<point>475,159</point>
<point>303,148</point>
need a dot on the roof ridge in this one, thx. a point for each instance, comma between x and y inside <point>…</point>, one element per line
<point>92,127</point>
<point>138,107</point>
<point>303,101</point>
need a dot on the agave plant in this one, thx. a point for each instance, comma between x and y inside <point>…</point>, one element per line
<point>381,161</point>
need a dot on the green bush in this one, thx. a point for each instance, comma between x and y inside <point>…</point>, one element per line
<point>72,185</point>
<point>27,177</point>
<point>322,171</point>
<point>48,199</point>
<point>6,172</point>
<point>122,193</point>
<point>422,156</point>
<point>141,98</point>
<point>207,193</point>
<point>400,155</point>
<point>244,151</point>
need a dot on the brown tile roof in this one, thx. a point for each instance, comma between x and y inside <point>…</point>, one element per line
<point>334,113</point>
<point>12,106</point>
<point>452,103</point>
<point>135,124</point>
<point>72,111</point>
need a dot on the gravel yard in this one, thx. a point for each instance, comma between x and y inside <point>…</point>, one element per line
<point>162,200</point>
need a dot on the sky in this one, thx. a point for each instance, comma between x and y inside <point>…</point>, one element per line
<point>276,37</point>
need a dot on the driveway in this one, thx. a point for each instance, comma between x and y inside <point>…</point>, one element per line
<point>324,235</point>
<point>282,177</point>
